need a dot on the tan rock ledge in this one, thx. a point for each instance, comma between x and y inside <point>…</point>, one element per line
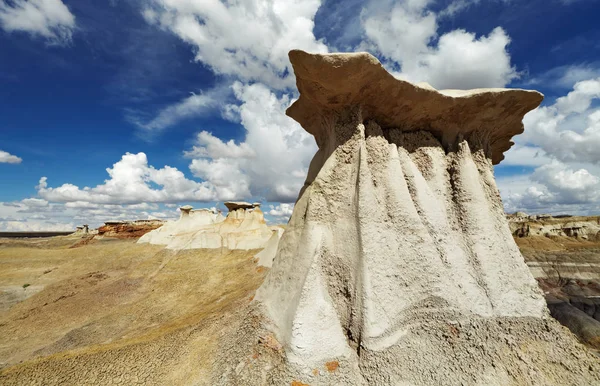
<point>332,82</point>
<point>234,205</point>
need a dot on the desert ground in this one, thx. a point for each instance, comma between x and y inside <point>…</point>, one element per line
<point>130,313</point>
<point>77,308</point>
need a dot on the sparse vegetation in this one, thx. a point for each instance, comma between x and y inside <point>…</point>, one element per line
<point>182,302</point>
<point>26,285</point>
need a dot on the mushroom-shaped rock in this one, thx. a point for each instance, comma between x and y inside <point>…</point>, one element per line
<point>235,205</point>
<point>243,228</point>
<point>330,84</point>
<point>398,258</point>
<point>186,209</point>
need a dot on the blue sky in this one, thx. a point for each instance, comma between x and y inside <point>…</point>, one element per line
<point>195,92</point>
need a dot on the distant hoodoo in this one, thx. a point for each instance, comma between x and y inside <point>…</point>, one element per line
<point>398,264</point>
<point>243,228</point>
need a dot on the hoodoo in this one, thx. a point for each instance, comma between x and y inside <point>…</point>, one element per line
<point>398,266</point>
<point>243,228</point>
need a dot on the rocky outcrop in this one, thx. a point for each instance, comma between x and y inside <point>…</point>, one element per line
<point>563,254</point>
<point>578,227</point>
<point>82,230</point>
<point>235,205</point>
<point>397,265</point>
<point>190,221</point>
<point>128,229</point>
<point>243,228</point>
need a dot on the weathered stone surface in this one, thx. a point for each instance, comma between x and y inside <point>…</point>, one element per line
<point>243,228</point>
<point>234,205</point>
<point>330,83</point>
<point>129,229</point>
<point>398,263</point>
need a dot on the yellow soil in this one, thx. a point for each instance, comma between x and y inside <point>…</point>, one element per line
<point>553,243</point>
<point>115,311</point>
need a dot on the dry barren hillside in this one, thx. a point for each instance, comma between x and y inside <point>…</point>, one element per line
<point>116,312</point>
<point>563,254</point>
<point>112,311</point>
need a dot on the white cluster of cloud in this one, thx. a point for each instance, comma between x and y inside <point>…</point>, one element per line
<point>272,161</point>
<point>130,182</point>
<point>569,129</point>
<point>8,158</point>
<point>281,210</point>
<point>405,33</point>
<point>247,42</point>
<point>50,19</point>
<point>562,140</point>
<point>247,39</point>
<point>34,214</point>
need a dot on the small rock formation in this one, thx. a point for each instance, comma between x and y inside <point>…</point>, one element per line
<point>235,205</point>
<point>398,264</point>
<point>243,228</point>
<point>128,229</point>
<point>582,227</point>
<point>82,230</point>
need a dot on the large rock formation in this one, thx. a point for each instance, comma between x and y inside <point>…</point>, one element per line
<point>243,228</point>
<point>397,265</point>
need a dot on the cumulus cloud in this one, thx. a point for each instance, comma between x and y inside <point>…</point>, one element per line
<point>567,185</point>
<point>569,129</point>
<point>210,146</point>
<point>33,214</point>
<point>561,140</point>
<point>246,39</point>
<point>404,33</point>
<point>50,19</point>
<point>272,160</point>
<point>247,42</point>
<point>35,203</point>
<point>9,158</point>
<point>281,210</point>
<point>552,188</point>
<point>35,226</point>
<point>131,182</point>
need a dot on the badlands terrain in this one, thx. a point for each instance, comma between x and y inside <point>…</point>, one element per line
<point>563,255</point>
<point>91,308</point>
<point>398,265</point>
<point>109,310</point>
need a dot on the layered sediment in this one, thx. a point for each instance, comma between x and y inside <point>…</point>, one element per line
<point>563,254</point>
<point>398,265</point>
<point>127,229</point>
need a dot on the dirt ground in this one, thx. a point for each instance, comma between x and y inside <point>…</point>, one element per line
<point>115,312</point>
<point>110,311</point>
